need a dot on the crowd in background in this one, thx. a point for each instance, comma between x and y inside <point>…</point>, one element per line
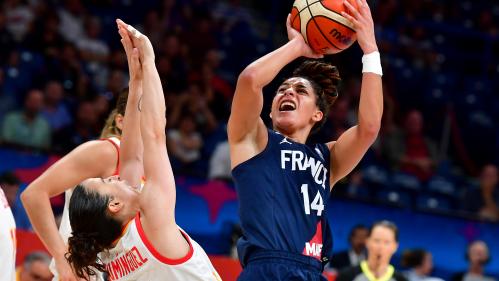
<point>62,68</point>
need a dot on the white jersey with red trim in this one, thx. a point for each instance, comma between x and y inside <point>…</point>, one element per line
<point>135,258</point>
<point>7,241</point>
<point>65,227</point>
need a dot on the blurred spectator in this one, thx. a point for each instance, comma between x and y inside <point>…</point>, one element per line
<point>102,105</point>
<point>54,110</point>
<point>216,91</point>
<point>485,201</point>
<point>381,244</point>
<point>185,144</point>
<point>201,37</point>
<point>67,69</point>
<point>85,128</point>
<point>409,149</point>
<point>6,38</point>
<point>35,267</point>
<point>94,51</point>
<point>152,27</point>
<point>92,48</point>
<point>27,127</point>
<point>18,76</point>
<point>219,168</point>
<point>116,82</point>
<point>7,102</point>
<point>44,35</point>
<point>357,252</point>
<point>420,264</point>
<point>71,16</point>
<point>172,62</point>
<point>194,103</point>
<point>19,17</point>
<point>478,256</point>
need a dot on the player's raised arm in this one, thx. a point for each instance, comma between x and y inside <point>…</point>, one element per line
<point>157,169</point>
<point>351,146</point>
<point>131,148</point>
<point>247,104</point>
<point>63,175</point>
<point>157,199</point>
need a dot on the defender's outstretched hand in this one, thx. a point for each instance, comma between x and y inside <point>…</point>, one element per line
<point>132,54</point>
<point>305,49</point>
<point>139,40</point>
<point>363,23</point>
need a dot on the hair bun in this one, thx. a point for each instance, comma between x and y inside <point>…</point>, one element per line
<point>83,249</point>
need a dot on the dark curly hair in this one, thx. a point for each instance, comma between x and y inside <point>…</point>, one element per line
<point>325,80</point>
<point>94,230</point>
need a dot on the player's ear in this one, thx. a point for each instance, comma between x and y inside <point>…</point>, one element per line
<point>114,205</point>
<point>270,115</point>
<point>318,115</point>
<point>118,120</point>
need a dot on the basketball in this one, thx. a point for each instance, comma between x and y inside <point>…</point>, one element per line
<point>320,22</point>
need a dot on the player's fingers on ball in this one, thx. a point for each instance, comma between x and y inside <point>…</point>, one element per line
<point>366,5</point>
<point>360,4</point>
<point>350,18</point>
<point>352,9</point>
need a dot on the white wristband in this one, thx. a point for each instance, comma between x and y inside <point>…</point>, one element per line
<point>372,63</point>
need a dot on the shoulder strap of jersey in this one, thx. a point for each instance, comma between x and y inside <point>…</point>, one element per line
<point>116,143</point>
<point>155,253</point>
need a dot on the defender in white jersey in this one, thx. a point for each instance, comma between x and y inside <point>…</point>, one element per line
<point>123,229</point>
<point>7,241</point>
<point>65,226</point>
<point>99,158</point>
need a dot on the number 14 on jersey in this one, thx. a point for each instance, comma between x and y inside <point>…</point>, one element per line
<point>317,204</point>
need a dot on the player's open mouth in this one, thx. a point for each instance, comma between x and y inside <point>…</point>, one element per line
<point>287,106</point>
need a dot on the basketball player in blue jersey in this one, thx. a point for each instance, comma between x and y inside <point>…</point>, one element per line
<point>283,184</point>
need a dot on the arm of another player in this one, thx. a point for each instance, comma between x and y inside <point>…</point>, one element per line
<point>157,199</point>
<point>245,124</point>
<point>131,147</point>
<point>351,146</point>
<point>71,170</point>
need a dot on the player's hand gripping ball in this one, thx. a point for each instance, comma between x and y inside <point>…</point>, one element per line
<point>320,22</point>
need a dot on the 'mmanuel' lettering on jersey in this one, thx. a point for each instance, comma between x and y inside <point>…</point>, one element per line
<point>298,160</point>
<point>124,264</point>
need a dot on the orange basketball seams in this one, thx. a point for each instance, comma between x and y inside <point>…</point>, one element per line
<point>322,26</point>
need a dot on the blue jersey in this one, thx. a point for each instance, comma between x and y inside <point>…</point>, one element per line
<point>282,195</point>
